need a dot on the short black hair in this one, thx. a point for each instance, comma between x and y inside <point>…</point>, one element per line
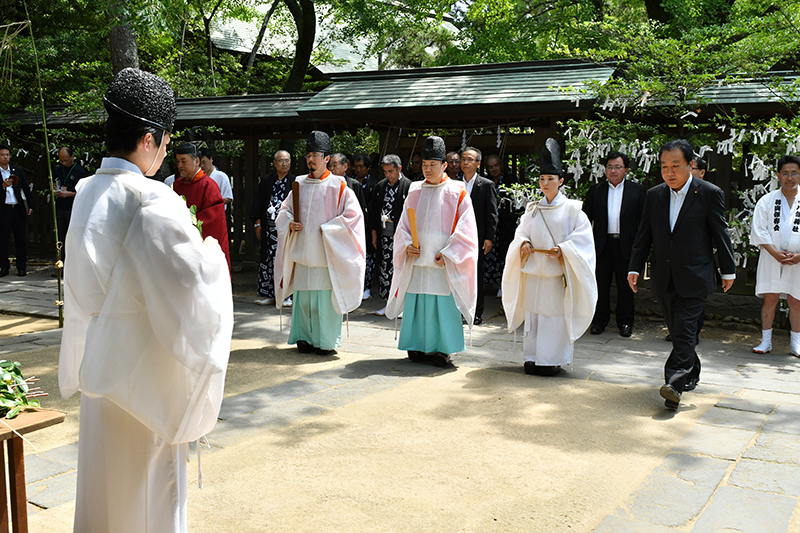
<point>205,152</point>
<point>700,163</point>
<point>615,155</point>
<point>364,158</point>
<point>785,160</point>
<point>66,149</point>
<point>678,144</point>
<point>123,133</point>
<point>4,147</point>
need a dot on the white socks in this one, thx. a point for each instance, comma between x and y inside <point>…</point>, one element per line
<point>766,341</point>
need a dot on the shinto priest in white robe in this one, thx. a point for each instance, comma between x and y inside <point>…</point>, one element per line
<point>535,293</point>
<point>147,334</point>
<point>778,223</point>
<point>446,224</point>
<point>326,260</point>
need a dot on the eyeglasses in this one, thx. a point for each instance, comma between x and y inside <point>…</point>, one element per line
<point>468,159</point>
<point>789,174</point>
<point>615,167</point>
<point>314,155</point>
<point>283,160</point>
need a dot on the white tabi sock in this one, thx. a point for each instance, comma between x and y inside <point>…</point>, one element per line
<point>794,346</point>
<point>766,342</point>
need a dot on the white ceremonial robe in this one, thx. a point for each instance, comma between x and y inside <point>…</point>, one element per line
<point>535,293</point>
<point>147,331</point>
<point>446,224</point>
<point>771,276</point>
<point>333,258</point>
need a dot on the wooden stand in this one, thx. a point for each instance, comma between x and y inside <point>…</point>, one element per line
<point>25,422</point>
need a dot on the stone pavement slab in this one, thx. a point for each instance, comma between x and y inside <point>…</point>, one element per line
<point>753,406</point>
<point>785,419</point>
<point>53,491</point>
<point>722,443</point>
<point>767,477</point>
<point>676,491</point>
<point>775,447</point>
<point>730,418</point>
<point>734,509</point>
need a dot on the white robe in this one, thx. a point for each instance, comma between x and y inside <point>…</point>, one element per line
<point>446,224</point>
<point>147,331</point>
<point>771,276</point>
<point>330,251</point>
<point>537,289</point>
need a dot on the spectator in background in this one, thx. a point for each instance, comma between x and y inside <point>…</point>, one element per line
<point>272,191</point>
<point>18,205</point>
<point>219,177</point>
<point>454,166</point>
<point>416,168</point>
<point>67,174</point>
<point>387,207</point>
<point>361,165</point>
<point>776,230</point>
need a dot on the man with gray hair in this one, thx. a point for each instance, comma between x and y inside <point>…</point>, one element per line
<point>272,191</point>
<point>384,211</point>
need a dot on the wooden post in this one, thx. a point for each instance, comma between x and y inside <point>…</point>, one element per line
<point>16,473</point>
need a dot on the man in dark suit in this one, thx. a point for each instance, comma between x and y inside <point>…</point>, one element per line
<point>614,207</point>
<point>681,219</point>
<point>385,211</point>
<point>17,206</point>
<point>484,202</point>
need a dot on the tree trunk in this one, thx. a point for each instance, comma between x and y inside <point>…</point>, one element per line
<point>656,11</point>
<point>124,52</point>
<point>252,57</point>
<point>305,19</point>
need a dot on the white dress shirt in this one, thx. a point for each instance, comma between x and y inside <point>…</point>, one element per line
<point>614,206</point>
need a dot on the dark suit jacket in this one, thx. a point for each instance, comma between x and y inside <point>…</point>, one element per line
<point>484,202</point>
<point>686,254</point>
<point>595,205</point>
<point>22,185</point>
<point>258,210</point>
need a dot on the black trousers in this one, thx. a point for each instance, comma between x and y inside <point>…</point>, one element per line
<point>12,220</point>
<point>681,315</point>
<point>611,263</point>
<point>481,269</point>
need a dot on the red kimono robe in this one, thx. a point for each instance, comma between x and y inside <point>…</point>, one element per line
<point>203,192</point>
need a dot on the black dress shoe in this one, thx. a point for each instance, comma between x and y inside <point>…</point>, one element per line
<point>596,330</point>
<point>690,384</point>
<point>547,370</point>
<point>668,338</point>
<point>530,368</point>
<point>418,357</point>
<point>478,321</point>
<point>626,331</point>
<point>21,273</point>
<point>441,360</point>
<point>304,347</point>
<point>320,351</point>
<point>671,396</point>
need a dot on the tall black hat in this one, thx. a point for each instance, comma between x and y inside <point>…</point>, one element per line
<point>434,149</point>
<point>318,141</point>
<point>143,97</point>
<point>187,148</point>
<point>550,162</point>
